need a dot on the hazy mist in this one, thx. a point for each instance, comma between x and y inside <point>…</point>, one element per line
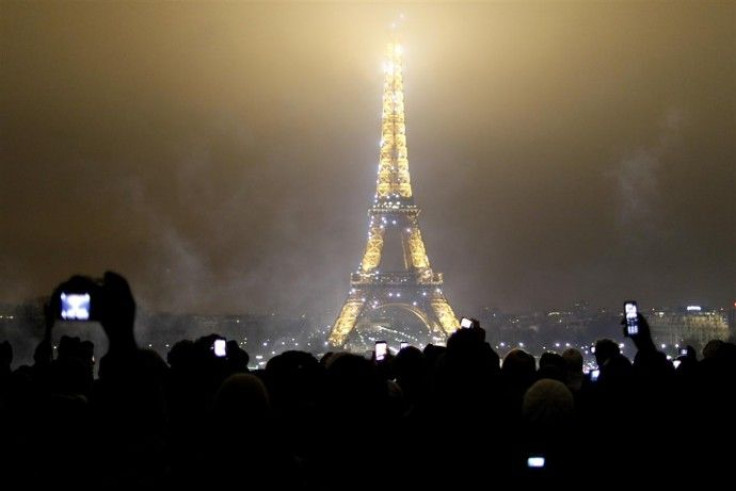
<point>222,156</point>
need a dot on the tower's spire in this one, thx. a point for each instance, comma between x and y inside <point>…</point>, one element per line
<point>393,168</point>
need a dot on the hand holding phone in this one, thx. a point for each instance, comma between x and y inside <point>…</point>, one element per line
<point>631,316</point>
<point>220,348</point>
<point>79,299</point>
<point>381,350</point>
<point>75,306</point>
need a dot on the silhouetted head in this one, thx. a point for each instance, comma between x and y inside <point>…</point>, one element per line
<point>432,353</point>
<point>605,349</point>
<point>465,341</point>
<point>711,348</point>
<point>573,360</point>
<point>409,361</point>
<point>181,355</point>
<point>354,384</point>
<point>552,365</point>
<point>410,367</point>
<point>294,378</point>
<point>120,304</point>
<point>326,359</point>
<point>242,397</point>
<point>518,361</point>
<point>548,402</point>
<point>43,353</point>
<point>518,370</point>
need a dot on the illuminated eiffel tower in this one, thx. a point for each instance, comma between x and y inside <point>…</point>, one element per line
<point>413,286</point>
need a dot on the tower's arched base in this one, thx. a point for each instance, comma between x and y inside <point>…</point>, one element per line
<point>394,323</point>
<point>380,307</point>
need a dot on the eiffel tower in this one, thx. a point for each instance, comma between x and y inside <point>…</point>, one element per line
<point>412,286</point>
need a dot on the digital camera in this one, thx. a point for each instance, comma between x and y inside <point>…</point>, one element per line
<point>79,299</point>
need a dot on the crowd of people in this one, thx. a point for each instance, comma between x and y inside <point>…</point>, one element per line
<point>445,417</point>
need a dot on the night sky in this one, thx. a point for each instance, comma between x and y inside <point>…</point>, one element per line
<point>222,156</point>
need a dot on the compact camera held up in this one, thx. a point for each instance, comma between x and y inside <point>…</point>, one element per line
<point>78,299</point>
<point>85,299</point>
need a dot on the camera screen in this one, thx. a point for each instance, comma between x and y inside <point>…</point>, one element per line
<point>380,350</point>
<point>632,322</point>
<point>75,306</point>
<point>535,462</point>
<point>466,323</point>
<point>594,375</point>
<point>220,347</point>
<point>403,345</point>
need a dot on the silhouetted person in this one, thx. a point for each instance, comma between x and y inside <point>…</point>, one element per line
<point>518,373</point>
<point>296,385</point>
<point>356,397</point>
<point>412,375</point>
<point>548,413</point>
<point>243,448</point>
<point>467,386</point>
<point>711,348</point>
<point>574,375</point>
<point>128,398</point>
<point>716,396</point>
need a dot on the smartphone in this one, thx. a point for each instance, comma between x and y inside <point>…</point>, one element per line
<point>466,323</point>
<point>676,363</point>
<point>381,350</point>
<point>594,374</point>
<point>536,462</point>
<point>219,347</point>
<point>631,312</point>
<point>75,306</point>
<point>683,351</point>
<point>403,345</point>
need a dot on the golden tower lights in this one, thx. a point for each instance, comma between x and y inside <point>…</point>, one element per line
<point>393,207</point>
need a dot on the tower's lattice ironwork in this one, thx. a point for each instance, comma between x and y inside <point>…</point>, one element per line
<point>415,287</point>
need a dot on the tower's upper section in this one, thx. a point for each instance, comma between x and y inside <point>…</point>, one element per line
<point>394,184</point>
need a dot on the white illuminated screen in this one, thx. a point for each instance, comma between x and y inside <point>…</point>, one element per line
<point>631,319</point>
<point>380,351</point>
<point>220,347</point>
<point>75,306</point>
<point>535,462</point>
